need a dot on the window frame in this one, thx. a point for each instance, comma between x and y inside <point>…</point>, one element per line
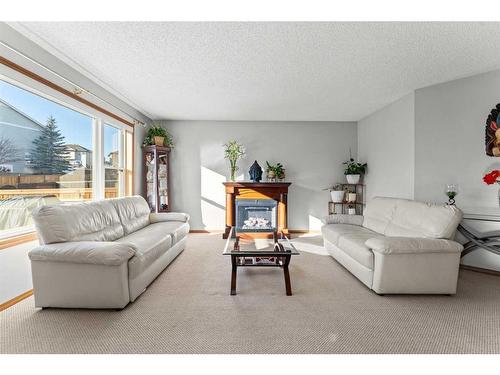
<point>98,120</point>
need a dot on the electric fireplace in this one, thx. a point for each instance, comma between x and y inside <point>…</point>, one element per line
<point>256,209</point>
<point>256,215</point>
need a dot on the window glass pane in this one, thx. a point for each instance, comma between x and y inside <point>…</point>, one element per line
<point>45,155</point>
<point>112,161</point>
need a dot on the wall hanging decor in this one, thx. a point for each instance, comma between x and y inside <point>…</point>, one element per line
<point>492,132</point>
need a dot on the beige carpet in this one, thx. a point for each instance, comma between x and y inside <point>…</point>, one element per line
<point>188,309</point>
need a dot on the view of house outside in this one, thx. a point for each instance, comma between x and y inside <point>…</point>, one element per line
<point>46,156</point>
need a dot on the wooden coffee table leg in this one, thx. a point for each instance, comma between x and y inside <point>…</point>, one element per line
<point>233,274</point>
<point>288,286</point>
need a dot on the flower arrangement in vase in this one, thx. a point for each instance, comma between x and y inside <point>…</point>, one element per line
<point>233,151</point>
<point>492,177</point>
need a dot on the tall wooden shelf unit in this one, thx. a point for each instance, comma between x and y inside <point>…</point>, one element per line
<point>342,207</point>
<point>157,177</point>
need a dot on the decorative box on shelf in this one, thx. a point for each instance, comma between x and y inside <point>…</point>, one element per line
<point>353,202</point>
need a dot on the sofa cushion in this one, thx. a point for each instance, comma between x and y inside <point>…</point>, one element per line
<point>418,219</point>
<point>151,242</point>
<point>85,252</point>
<point>178,229</point>
<point>156,217</point>
<point>353,244</point>
<point>133,212</point>
<point>378,214</point>
<point>332,232</point>
<point>406,218</point>
<point>85,221</point>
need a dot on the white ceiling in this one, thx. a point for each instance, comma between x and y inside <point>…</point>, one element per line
<point>269,71</point>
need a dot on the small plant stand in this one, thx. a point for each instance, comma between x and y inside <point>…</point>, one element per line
<point>342,207</point>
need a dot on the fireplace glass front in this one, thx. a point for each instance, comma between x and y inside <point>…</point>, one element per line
<point>256,215</point>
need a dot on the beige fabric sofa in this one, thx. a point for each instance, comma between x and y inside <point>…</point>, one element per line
<point>102,254</point>
<point>398,246</point>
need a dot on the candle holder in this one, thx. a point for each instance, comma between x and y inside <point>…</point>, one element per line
<point>451,192</point>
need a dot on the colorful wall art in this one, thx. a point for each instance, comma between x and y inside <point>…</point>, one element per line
<point>492,132</point>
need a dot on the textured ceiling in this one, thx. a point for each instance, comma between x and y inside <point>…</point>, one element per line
<point>269,71</point>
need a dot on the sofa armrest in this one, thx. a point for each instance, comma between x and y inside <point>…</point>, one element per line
<point>86,252</point>
<point>405,245</point>
<point>344,219</point>
<point>168,216</point>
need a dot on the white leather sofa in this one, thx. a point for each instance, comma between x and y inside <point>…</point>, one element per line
<point>102,254</point>
<point>398,246</point>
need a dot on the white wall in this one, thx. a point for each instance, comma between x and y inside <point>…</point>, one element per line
<point>386,141</point>
<point>425,140</point>
<point>312,153</point>
<point>450,121</point>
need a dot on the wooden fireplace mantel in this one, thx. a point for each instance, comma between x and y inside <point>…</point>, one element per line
<point>256,190</point>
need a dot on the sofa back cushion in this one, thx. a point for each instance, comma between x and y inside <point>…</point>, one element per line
<point>86,221</point>
<point>406,218</point>
<point>133,212</point>
<point>378,214</point>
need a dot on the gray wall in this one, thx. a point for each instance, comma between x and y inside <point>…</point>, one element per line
<point>450,120</point>
<point>386,141</point>
<point>446,145</point>
<point>312,153</point>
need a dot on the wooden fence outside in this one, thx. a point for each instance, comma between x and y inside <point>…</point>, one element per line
<point>63,194</point>
<point>28,179</point>
<point>30,185</point>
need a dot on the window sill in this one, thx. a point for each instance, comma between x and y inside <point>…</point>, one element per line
<point>17,239</point>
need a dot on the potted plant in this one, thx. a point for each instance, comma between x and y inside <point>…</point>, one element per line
<point>233,151</point>
<point>337,193</point>
<point>351,197</point>
<point>354,170</point>
<point>351,210</point>
<point>275,171</point>
<point>158,136</point>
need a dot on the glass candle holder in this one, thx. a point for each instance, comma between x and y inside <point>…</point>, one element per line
<point>451,191</point>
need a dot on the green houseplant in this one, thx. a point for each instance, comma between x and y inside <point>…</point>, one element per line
<point>233,151</point>
<point>354,170</point>
<point>337,193</point>
<point>158,136</point>
<point>275,171</point>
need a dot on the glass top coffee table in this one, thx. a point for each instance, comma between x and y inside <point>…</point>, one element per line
<point>259,252</point>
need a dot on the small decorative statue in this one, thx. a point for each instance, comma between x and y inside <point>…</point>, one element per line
<point>255,172</point>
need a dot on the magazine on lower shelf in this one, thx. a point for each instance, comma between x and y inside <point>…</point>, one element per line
<point>264,260</point>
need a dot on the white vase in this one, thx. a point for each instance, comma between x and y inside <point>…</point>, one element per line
<point>351,211</point>
<point>351,197</point>
<point>337,196</point>
<point>352,178</point>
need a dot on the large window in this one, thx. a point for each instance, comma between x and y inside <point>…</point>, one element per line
<point>52,153</point>
<point>113,161</point>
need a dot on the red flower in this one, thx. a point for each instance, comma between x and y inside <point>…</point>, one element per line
<point>491,178</point>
